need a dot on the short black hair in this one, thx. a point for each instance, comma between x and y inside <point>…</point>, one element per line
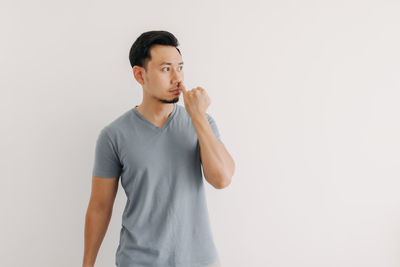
<point>140,51</point>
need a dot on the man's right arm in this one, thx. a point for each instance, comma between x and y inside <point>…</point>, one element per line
<point>98,216</point>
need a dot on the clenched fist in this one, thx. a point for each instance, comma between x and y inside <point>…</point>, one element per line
<point>196,100</point>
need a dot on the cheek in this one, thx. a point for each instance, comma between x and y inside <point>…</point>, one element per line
<point>157,79</point>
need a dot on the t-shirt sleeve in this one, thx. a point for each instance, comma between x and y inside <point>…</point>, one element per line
<point>214,127</point>
<point>106,160</point>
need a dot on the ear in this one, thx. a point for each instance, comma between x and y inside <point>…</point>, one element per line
<point>138,74</point>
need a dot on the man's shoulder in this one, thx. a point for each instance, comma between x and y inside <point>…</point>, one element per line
<point>119,123</point>
<point>182,111</point>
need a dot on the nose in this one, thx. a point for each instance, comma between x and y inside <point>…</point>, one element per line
<point>177,77</point>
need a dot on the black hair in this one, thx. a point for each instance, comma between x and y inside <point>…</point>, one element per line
<point>140,51</point>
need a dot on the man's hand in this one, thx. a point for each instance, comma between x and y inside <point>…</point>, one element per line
<point>196,100</point>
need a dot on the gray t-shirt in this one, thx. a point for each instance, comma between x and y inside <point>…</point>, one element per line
<point>165,222</point>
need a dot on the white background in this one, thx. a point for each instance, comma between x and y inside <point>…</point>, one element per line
<point>305,95</point>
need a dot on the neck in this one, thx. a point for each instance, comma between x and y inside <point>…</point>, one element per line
<point>155,112</point>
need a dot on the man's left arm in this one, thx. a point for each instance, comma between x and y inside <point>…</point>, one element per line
<point>218,165</point>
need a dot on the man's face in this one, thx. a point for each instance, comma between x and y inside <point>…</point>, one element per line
<point>164,72</point>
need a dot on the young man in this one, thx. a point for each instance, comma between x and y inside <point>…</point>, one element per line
<point>158,148</point>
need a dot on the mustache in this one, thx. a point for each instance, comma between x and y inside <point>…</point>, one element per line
<point>175,88</point>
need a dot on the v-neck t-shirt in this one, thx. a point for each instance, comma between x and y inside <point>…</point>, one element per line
<point>165,222</point>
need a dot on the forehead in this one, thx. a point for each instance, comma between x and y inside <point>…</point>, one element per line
<point>164,54</point>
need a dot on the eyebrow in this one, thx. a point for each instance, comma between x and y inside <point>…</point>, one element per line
<point>168,63</point>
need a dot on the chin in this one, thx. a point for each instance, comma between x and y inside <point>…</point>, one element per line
<point>169,101</point>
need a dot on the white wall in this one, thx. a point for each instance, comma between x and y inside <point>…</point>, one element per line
<point>305,94</point>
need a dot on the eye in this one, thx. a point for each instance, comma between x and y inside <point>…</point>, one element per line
<point>181,67</point>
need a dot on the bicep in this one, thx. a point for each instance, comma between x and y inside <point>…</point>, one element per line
<point>214,127</point>
<point>104,191</point>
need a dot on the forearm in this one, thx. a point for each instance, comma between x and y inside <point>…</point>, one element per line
<point>218,165</point>
<point>96,224</point>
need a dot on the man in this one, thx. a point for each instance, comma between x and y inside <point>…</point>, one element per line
<point>158,148</point>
